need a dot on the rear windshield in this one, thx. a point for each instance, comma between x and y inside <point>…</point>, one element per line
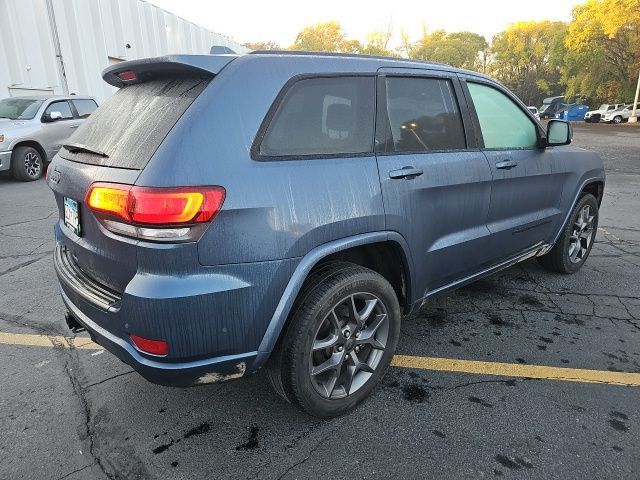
<point>127,129</point>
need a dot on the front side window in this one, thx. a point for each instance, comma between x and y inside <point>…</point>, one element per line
<point>323,116</point>
<point>84,107</point>
<point>19,108</point>
<point>423,115</point>
<point>62,107</point>
<point>502,122</point>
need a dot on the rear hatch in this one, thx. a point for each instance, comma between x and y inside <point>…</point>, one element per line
<point>114,145</point>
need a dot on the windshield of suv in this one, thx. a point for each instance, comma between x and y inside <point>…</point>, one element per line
<point>19,108</point>
<point>604,106</point>
<point>544,108</point>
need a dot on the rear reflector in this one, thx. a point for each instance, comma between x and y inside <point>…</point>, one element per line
<point>154,347</point>
<point>156,206</point>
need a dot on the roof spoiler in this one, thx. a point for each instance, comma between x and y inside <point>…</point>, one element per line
<point>138,71</point>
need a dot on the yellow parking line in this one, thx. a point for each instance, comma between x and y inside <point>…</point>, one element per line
<point>475,367</point>
<point>517,370</point>
<point>47,341</point>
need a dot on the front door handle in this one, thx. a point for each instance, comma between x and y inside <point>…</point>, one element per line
<point>406,172</point>
<point>506,164</point>
<point>74,126</point>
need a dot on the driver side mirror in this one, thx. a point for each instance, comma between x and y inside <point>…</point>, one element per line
<point>53,116</point>
<point>559,133</point>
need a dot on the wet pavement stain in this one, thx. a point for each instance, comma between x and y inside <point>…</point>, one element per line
<point>516,464</point>
<point>199,430</point>
<point>438,433</point>
<point>531,300</point>
<point>415,393</point>
<point>480,401</point>
<point>252,443</point>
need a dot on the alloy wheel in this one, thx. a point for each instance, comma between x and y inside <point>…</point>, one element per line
<point>32,164</point>
<point>581,235</point>
<point>348,345</point>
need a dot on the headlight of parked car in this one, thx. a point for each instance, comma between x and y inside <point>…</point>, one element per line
<point>1,137</point>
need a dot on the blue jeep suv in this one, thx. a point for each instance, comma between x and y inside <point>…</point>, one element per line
<point>220,213</point>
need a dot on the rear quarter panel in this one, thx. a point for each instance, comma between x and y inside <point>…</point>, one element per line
<point>273,209</point>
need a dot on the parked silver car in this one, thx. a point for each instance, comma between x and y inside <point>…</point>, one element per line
<point>32,130</point>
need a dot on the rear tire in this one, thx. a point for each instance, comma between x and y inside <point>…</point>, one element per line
<point>27,164</point>
<point>576,240</point>
<point>338,342</point>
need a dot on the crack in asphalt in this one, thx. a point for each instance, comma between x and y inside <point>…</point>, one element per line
<point>76,471</point>
<point>309,454</point>
<point>30,221</point>
<point>23,264</point>
<point>86,387</point>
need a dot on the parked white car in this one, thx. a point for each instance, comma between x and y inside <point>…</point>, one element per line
<point>535,112</point>
<point>618,116</point>
<point>594,116</point>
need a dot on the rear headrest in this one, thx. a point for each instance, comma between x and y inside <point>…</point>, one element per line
<point>339,117</point>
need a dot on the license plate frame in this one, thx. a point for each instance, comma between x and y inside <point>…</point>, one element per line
<point>72,215</point>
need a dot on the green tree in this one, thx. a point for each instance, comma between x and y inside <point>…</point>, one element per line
<point>325,37</point>
<point>376,44</point>
<point>527,57</point>
<point>603,50</point>
<point>459,49</point>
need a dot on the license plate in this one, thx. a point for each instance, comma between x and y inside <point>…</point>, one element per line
<point>72,215</point>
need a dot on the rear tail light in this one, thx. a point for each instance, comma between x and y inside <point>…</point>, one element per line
<point>162,214</point>
<point>154,347</point>
<point>127,75</point>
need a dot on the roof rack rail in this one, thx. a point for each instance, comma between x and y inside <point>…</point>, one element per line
<point>339,54</point>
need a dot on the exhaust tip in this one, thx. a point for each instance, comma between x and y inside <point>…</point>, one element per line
<point>72,322</point>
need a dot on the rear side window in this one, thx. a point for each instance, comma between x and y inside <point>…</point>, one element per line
<point>131,124</point>
<point>503,123</point>
<point>323,116</point>
<point>84,107</point>
<point>423,115</point>
<point>62,107</point>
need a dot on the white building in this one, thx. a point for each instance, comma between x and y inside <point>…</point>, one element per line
<point>62,46</point>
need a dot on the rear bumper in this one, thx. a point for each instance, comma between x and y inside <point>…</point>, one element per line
<point>180,374</point>
<point>213,318</point>
<point>5,160</point>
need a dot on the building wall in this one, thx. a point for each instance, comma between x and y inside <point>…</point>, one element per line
<point>92,34</point>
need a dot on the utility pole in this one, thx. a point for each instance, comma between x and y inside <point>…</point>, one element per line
<point>633,118</point>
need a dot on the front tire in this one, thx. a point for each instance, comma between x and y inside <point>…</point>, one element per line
<point>338,342</point>
<point>617,119</point>
<point>576,240</point>
<point>27,164</point>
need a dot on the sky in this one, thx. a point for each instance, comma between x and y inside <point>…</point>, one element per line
<point>281,20</point>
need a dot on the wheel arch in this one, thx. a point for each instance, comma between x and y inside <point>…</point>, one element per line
<point>349,249</point>
<point>32,144</point>
<point>590,185</point>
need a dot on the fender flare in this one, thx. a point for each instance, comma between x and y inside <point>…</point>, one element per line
<point>573,204</point>
<point>301,272</point>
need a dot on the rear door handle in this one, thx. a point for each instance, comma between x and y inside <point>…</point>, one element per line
<point>406,172</point>
<point>506,164</point>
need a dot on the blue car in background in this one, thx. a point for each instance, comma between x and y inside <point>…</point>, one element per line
<point>222,213</point>
<point>572,112</point>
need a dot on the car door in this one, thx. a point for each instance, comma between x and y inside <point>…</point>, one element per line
<point>525,195</point>
<point>56,131</point>
<point>436,183</point>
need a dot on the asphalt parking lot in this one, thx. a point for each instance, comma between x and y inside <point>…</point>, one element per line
<point>69,410</point>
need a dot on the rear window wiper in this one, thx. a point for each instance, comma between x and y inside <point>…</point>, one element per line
<point>77,147</point>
